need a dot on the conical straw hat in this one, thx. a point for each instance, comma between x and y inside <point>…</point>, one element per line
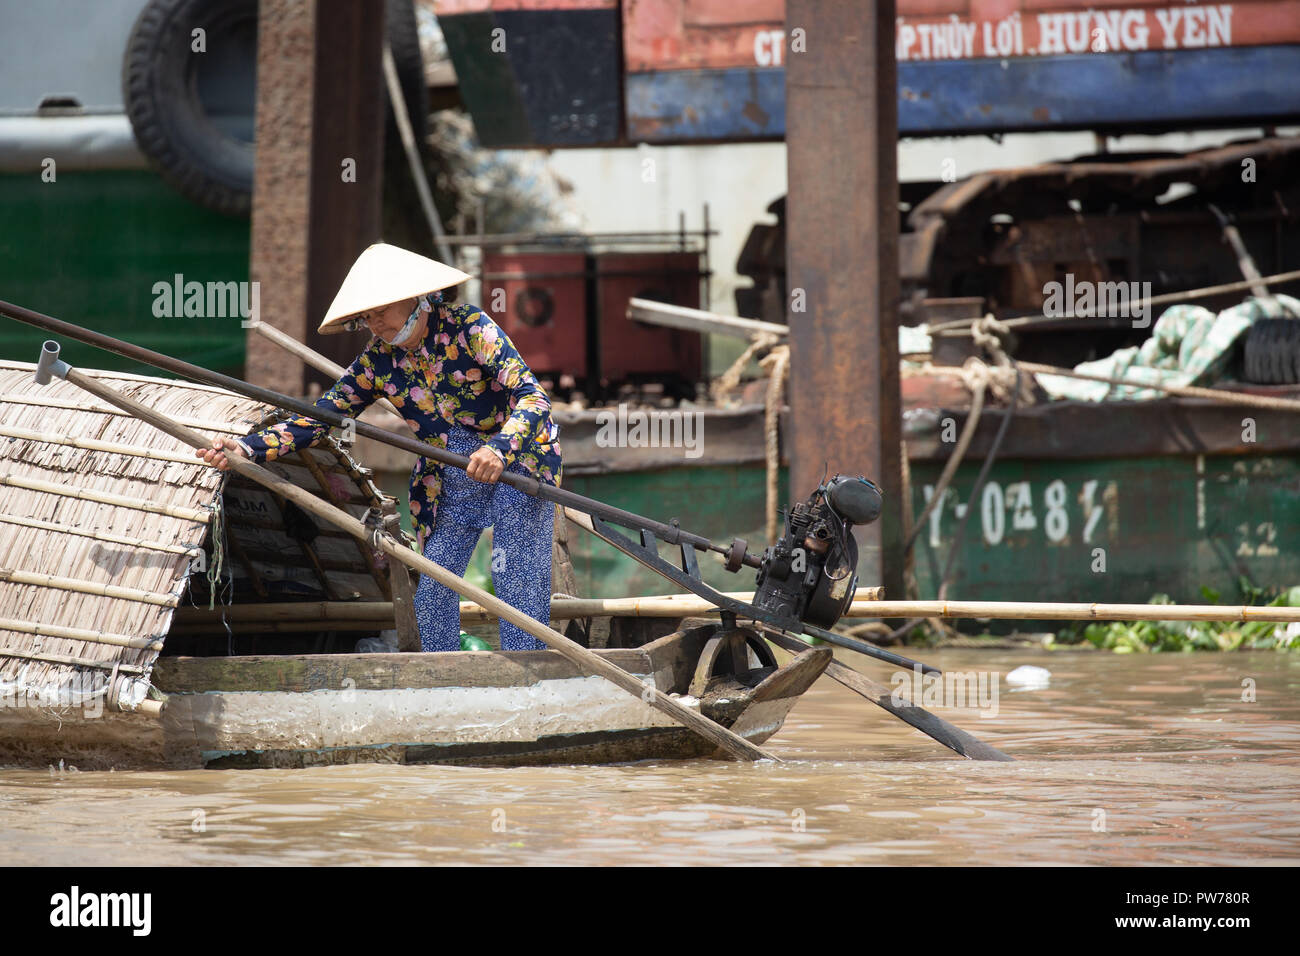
<point>384,274</point>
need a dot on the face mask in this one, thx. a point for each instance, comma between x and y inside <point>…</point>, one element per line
<point>401,336</point>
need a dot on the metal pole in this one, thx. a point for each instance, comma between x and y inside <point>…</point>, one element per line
<point>842,250</point>
<point>398,103</point>
<point>318,179</point>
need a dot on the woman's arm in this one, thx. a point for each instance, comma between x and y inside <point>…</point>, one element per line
<point>350,395</point>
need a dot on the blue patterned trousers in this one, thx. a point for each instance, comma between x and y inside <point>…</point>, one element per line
<point>521,552</point>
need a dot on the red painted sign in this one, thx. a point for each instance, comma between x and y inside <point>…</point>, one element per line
<point>720,34</point>
<point>451,8</point>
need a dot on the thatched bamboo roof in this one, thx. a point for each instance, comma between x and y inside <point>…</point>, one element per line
<point>106,523</point>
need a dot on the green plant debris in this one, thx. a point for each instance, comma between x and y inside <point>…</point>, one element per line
<point>1145,637</point>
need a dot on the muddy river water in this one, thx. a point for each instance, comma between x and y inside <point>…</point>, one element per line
<point>1130,760</point>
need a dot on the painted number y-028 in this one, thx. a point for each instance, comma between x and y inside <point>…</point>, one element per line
<point>1015,509</point>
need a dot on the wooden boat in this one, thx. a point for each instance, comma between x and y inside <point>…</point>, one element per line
<point>465,707</point>
<point>108,657</point>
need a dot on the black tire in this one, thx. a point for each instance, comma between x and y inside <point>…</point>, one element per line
<point>1272,352</point>
<point>192,114</point>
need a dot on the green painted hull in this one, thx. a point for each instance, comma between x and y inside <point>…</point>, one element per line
<point>90,247</point>
<point>1115,530</point>
<point>720,502</point>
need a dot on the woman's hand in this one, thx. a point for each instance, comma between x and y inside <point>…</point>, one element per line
<point>221,447</point>
<point>485,465</point>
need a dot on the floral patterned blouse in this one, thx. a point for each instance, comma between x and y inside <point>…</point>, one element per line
<point>466,372</point>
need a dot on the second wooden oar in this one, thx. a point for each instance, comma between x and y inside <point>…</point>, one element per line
<point>590,663</point>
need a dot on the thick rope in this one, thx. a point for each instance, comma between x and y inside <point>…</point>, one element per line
<point>729,380</point>
<point>989,334</point>
<point>976,376</point>
<point>978,487</point>
<point>777,363</point>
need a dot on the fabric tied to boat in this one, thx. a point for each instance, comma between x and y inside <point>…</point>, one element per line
<point>1189,345</point>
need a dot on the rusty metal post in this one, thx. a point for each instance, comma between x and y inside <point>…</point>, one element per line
<point>318,181</point>
<point>842,259</point>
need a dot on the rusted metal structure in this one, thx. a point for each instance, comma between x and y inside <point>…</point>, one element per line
<point>990,243</point>
<point>319,172</point>
<point>843,261</point>
<point>1001,237</point>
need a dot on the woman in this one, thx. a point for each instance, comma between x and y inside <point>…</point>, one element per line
<point>461,385</point>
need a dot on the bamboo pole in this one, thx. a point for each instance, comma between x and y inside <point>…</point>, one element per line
<point>379,613</point>
<point>14,398</point>
<point>700,320</point>
<point>1166,298</point>
<point>397,103</point>
<point>589,662</point>
<point>562,609</point>
<point>94,444</point>
<point>211,624</point>
<point>318,362</point>
<point>658,606</point>
<point>306,611</point>
<point>104,536</point>
<point>88,587</point>
<point>1042,610</point>
<point>70,661</point>
<point>79,634</point>
<point>201,515</point>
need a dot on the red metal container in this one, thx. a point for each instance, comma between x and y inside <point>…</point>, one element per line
<point>539,298</point>
<point>628,348</point>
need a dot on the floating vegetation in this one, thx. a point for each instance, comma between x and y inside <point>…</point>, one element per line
<point>1142,637</point>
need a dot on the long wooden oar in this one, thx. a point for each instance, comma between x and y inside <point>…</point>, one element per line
<point>580,656</point>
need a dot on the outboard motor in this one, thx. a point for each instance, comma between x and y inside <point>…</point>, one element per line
<point>811,573</point>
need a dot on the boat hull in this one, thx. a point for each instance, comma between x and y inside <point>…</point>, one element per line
<point>481,708</point>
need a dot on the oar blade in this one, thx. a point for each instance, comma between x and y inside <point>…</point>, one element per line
<point>954,738</point>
